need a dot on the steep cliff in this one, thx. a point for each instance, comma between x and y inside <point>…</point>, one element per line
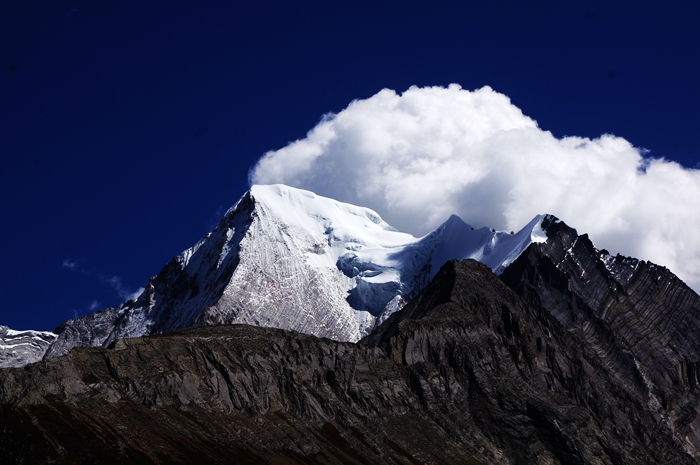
<point>467,373</point>
<point>634,320</point>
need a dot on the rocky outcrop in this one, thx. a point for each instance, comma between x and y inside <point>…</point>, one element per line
<point>467,373</point>
<point>636,321</point>
<point>17,348</point>
<point>86,331</point>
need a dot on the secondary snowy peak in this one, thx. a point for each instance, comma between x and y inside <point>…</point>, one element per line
<point>288,258</point>
<point>18,348</point>
<point>496,249</point>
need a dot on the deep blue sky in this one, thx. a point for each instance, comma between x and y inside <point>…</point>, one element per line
<point>128,128</point>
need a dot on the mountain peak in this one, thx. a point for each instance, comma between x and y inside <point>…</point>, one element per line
<point>288,258</point>
<point>299,205</point>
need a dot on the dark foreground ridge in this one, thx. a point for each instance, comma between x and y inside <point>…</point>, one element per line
<point>468,373</point>
<point>634,321</point>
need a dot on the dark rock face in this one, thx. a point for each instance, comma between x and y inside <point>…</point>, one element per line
<point>634,320</point>
<point>468,373</point>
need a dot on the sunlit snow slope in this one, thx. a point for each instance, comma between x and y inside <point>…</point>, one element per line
<point>288,258</point>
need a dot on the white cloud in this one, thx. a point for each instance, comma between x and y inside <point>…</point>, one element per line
<point>70,264</point>
<point>122,291</point>
<point>420,156</point>
<point>136,294</point>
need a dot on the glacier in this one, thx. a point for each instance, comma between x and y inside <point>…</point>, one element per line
<point>287,258</point>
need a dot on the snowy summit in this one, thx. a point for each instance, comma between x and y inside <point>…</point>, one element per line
<point>288,258</point>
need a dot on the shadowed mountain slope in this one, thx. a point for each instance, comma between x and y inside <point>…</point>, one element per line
<point>467,373</point>
<point>633,319</point>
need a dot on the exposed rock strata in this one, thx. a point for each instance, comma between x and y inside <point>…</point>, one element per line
<point>85,331</point>
<point>634,320</point>
<point>468,373</point>
<point>17,348</point>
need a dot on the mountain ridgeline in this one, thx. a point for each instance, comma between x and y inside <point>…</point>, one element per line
<point>290,259</point>
<point>467,373</point>
<point>357,344</point>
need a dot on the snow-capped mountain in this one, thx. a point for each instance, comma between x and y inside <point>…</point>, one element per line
<point>288,258</point>
<point>18,348</point>
<point>589,345</point>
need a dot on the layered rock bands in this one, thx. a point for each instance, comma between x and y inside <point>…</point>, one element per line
<point>468,372</point>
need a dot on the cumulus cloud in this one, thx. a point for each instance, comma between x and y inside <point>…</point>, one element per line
<point>420,156</point>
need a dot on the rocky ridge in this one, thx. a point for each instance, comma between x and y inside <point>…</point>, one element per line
<point>467,373</point>
<point>633,319</point>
